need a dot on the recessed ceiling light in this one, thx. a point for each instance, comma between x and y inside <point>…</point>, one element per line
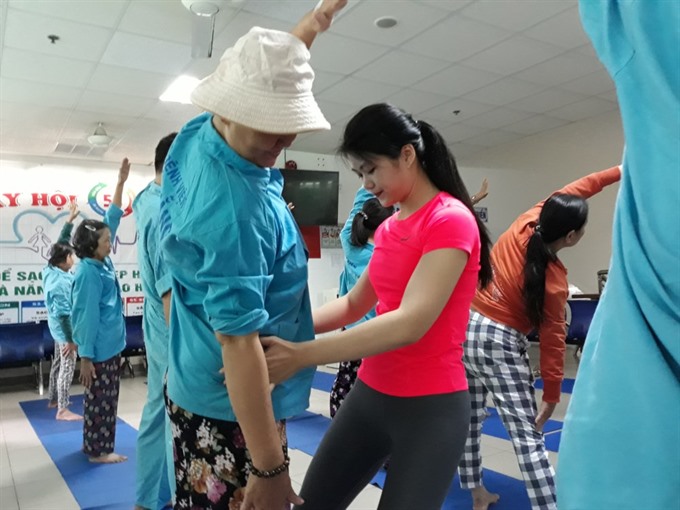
<point>180,90</point>
<point>385,22</point>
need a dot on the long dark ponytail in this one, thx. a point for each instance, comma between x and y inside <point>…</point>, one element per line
<point>367,221</point>
<point>383,129</point>
<point>560,214</point>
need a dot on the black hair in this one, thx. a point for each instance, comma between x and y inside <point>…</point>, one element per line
<point>367,221</point>
<point>86,238</point>
<point>59,252</point>
<point>383,129</point>
<point>162,151</point>
<point>560,214</point>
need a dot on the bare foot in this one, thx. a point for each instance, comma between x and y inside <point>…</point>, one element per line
<point>111,458</point>
<point>66,415</point>
<point>52,405</point>
<point>482,498</point>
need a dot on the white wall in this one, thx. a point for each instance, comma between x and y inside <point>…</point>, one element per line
<point>527,171</point>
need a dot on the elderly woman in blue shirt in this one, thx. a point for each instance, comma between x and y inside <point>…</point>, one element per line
<point>99,327</point>
<point>57,281</point>
<point>239,270</point>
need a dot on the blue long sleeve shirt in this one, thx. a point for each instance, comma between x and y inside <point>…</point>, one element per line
<point>97,306</point>
<point>356,257</point>
<point>623,415</point>
<point>156,280</point>
<point>57,286</point>
<point>238,266</point>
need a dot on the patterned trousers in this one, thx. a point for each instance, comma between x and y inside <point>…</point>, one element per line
<point>61,375</point>
<point>496,361</point>
<point>344,380</point>
<point>100,409</point>
<point>211,460</point>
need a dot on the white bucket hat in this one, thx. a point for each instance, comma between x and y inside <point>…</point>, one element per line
<point>264,82</point>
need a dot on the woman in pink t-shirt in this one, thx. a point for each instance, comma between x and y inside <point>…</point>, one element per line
<point>411,401</point>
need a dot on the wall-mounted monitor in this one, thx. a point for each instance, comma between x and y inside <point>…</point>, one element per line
<point>314,195</point>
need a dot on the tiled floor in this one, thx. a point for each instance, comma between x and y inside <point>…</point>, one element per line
<point>25,465</point>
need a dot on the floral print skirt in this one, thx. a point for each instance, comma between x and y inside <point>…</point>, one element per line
<point>344,380</point>
<point>211,460</point>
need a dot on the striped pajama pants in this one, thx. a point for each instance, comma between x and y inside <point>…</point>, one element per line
<point>61,376</point>
<point>497,363</point>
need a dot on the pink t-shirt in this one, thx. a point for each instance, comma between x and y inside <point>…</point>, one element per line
<point>432,365</point>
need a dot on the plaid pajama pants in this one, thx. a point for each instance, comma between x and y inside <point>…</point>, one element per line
<point>496,362</point>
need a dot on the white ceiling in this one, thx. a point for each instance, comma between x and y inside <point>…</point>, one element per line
<point>512,68</point>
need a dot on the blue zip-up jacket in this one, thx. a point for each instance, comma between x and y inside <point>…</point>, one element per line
<point>97,310</point>
<point>356,257</point>
<point>57,286</point>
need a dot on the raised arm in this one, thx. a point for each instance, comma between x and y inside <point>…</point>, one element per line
<point>65,234</point>
<point>123,174</point>
<point>592,184</point>
<point>482,193</point>
<point>317,21</point>
<point>584,187</point>
<point>115,210</point>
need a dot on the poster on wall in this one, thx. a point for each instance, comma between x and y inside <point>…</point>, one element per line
<point>330,236</point>
<point>32,213</point>
<point>33,311</point>
<point>9,312</point>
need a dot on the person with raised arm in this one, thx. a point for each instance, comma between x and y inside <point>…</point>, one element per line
<point>239,270</point>
<point>529,291</point>
<point>99,327</point>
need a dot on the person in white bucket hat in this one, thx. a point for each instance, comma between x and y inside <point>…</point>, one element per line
<point>239,270</point>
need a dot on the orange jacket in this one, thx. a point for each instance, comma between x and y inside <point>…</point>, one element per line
<point>502,300</point>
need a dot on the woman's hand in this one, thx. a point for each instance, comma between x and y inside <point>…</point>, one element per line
<point>544,414</point>
<point>282,358</point>
<point>323,15</point>
<point>73,212</point>
<point>482,193</point>
<point>317,21</point>
<point>68,349</point>
<point>270,493</point>
<point>87,372</point>
<point>124,171</point>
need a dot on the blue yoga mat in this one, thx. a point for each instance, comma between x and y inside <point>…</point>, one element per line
<point>305,433</point>
<point>91,484</point>
<point>323,381</point>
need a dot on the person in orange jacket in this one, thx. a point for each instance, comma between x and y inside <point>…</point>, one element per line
<point>529,291</point>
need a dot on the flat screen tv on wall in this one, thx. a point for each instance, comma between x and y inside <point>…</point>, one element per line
<point>314,195</point>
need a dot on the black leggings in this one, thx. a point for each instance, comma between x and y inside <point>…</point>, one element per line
<point>424,438</point>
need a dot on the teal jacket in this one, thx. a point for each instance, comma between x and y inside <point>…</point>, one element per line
<point>156,280</point>
<point>356,257</point>
<point>57,287</point>
<point>620,443</point>
<point>238,266</point>
<point>97,311</point>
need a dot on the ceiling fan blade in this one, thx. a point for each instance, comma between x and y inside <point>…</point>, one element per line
<point>202,35</point>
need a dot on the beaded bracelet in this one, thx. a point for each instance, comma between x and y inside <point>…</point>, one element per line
<point>271,473</point>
